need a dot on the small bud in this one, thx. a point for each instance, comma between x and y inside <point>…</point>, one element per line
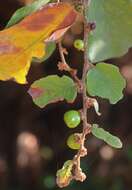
<point>92,25</point>
<point>96,107</point>
<point>91,102</point>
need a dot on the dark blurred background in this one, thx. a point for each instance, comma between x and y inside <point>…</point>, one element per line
<point>33,141</point>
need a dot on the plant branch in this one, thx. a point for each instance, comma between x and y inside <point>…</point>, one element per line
<point>86,66</point>
<point>64,66</point>
<point>86,127</point>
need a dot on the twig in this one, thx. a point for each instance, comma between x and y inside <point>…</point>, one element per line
<point>86,127</point>
<point>64,66</point>
<point>86,66</point>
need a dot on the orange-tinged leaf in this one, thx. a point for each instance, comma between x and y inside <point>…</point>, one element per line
<point>25,40</point>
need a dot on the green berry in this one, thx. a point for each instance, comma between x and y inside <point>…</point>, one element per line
<point>72,118</point>
<point>73,141</point>
<point>79,44</point>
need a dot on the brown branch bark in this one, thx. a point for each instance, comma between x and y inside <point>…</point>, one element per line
<point>86,127</point>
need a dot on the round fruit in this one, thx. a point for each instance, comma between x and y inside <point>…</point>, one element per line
<point>79,44</point>
<point>72,141</point>
<point>72,118</point>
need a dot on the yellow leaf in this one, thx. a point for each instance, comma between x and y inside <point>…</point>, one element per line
<point>25,40</point>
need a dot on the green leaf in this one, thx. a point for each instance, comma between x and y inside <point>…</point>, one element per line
<point>64,175</point>
<point>110,139</point>
<point>113,34</point>
<point>104,80</point>
<point>66,169</point>
<point>53,89</point>
<point>50,47</point>
<point>25,11</point>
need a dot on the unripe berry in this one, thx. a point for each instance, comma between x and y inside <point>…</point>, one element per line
<point>73,141</point>
<point>72,118</point>
<point>79,44</point>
